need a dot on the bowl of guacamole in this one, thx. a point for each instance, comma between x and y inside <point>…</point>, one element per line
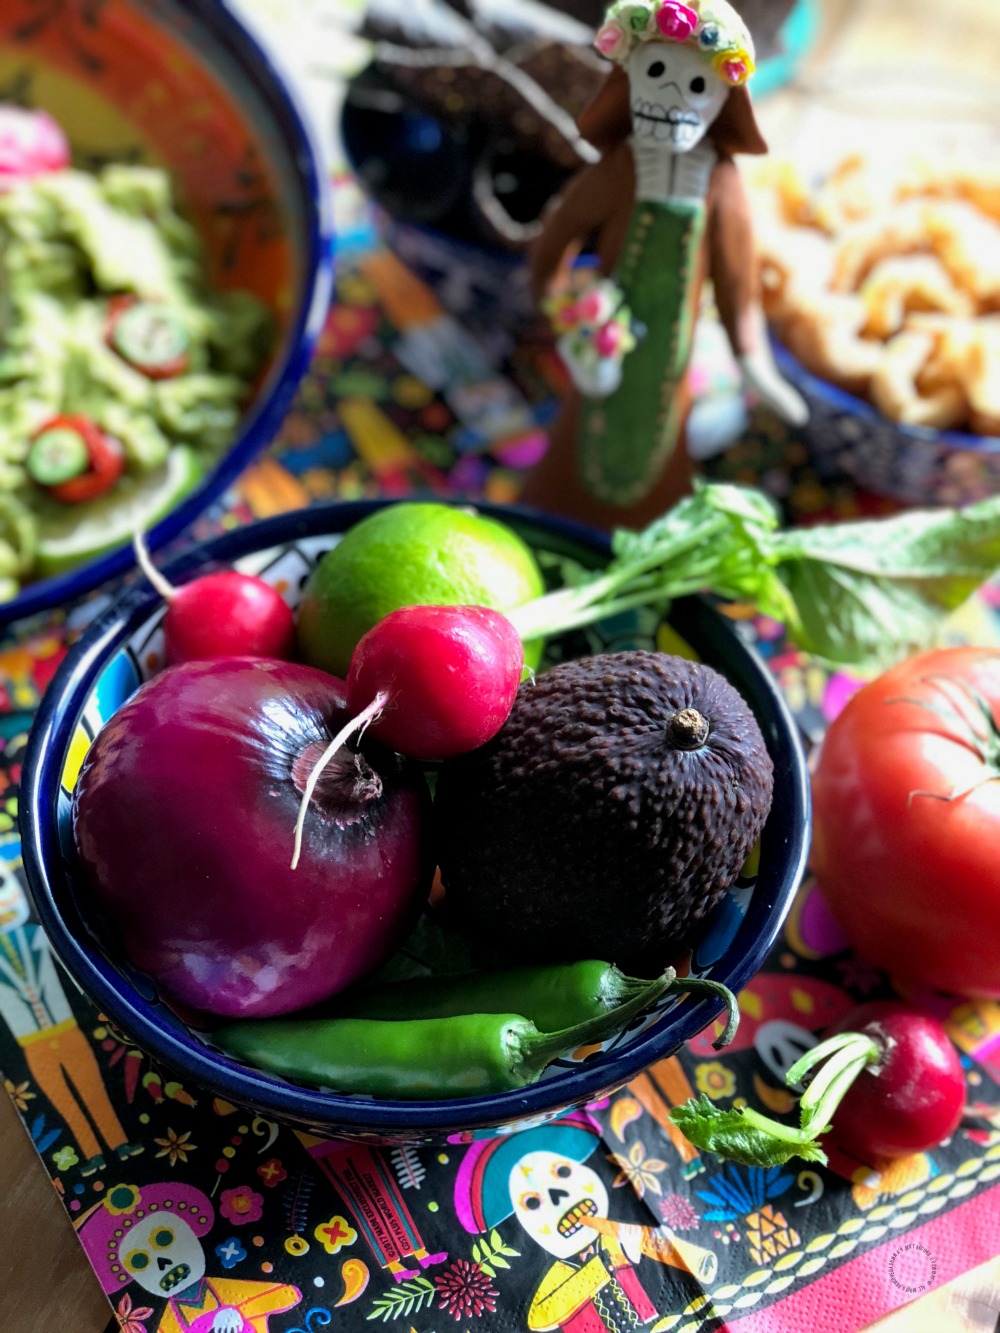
<point>164,272</point>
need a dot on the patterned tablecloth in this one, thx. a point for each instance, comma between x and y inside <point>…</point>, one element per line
<point>265,1228</point>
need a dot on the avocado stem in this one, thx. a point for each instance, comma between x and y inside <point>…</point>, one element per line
<point>687,729</point>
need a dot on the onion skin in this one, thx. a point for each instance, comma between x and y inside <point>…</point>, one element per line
<point>184,817</point>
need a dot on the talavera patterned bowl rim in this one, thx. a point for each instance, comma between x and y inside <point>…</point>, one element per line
<point>268,411</point>
<point>712,635</point>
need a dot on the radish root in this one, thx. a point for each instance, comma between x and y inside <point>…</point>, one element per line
<point>145,562</point>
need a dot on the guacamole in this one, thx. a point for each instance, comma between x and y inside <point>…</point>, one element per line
<point>108,329</point>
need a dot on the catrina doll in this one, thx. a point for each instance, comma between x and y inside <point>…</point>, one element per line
<point>662,209</point>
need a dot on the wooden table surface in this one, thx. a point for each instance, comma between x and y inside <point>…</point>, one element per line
<point>865,46</point>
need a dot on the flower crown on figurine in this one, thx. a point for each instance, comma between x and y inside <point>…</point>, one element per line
<point>712,26</point>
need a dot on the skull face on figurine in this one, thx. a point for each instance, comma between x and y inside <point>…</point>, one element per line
<point>674,96</point>
<point>154,1235</point>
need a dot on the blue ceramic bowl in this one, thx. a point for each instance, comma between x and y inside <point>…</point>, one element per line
<point>125,645</point>
<point>183,85</point>
<point>846,435</point>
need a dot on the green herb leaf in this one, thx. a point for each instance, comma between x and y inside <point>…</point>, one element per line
<point>732,1135</point>
<point>719,539</point>
<point>871,592</point>
<point>856,594</point>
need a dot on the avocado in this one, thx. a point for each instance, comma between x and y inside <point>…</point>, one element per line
<point>609,815</point>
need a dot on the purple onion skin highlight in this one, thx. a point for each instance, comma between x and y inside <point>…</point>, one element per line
<point>184,818</point>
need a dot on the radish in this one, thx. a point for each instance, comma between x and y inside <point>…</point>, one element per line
<point>451,674</point>
<point>431,682</point>
<point>887,1083</point>
<point>227,614</point>
<point>911,1097</point>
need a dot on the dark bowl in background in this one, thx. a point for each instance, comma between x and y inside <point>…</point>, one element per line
<point>913,465</point>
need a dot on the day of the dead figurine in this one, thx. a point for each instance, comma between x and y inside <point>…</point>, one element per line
<point>663,208</point>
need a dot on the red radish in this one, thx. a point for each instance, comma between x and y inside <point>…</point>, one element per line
<point>887,1082</point>
<point>31,144</point>
<point>431,682</point>
<point>912,1098</point>
<point>588,307</point>
<point>451,674</point>
<point>221,615</point>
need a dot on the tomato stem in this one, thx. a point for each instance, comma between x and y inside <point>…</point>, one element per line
<point>984,744</point>
<point>954,795</point>
<point>985,713</point>
<point>356,724</point>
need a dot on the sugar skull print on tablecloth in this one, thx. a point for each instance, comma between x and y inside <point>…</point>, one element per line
<point>541,1177</point>
<point>151,1236</point>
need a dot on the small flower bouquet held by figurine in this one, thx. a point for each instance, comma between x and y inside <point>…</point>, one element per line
<point>595,332</point>
<point>663,209</point>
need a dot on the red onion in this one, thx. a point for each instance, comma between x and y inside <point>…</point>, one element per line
<point>184,817</point>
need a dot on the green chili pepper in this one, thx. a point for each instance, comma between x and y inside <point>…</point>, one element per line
<point>461,1055</point>
<point>553,996</point>
<point>467,1056</point>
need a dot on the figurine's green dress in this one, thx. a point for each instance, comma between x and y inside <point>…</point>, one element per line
<point>627,438</point>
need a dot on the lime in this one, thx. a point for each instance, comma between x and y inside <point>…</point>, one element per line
<point>412,554</point>
<point>68,535</point>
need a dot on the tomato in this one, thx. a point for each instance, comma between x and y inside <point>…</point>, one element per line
<point>906,811</point>
<point>149,335</point>
<point>107,463</point>
<point>103,462</point>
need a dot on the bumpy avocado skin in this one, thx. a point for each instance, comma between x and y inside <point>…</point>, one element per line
<point>582,830</point>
